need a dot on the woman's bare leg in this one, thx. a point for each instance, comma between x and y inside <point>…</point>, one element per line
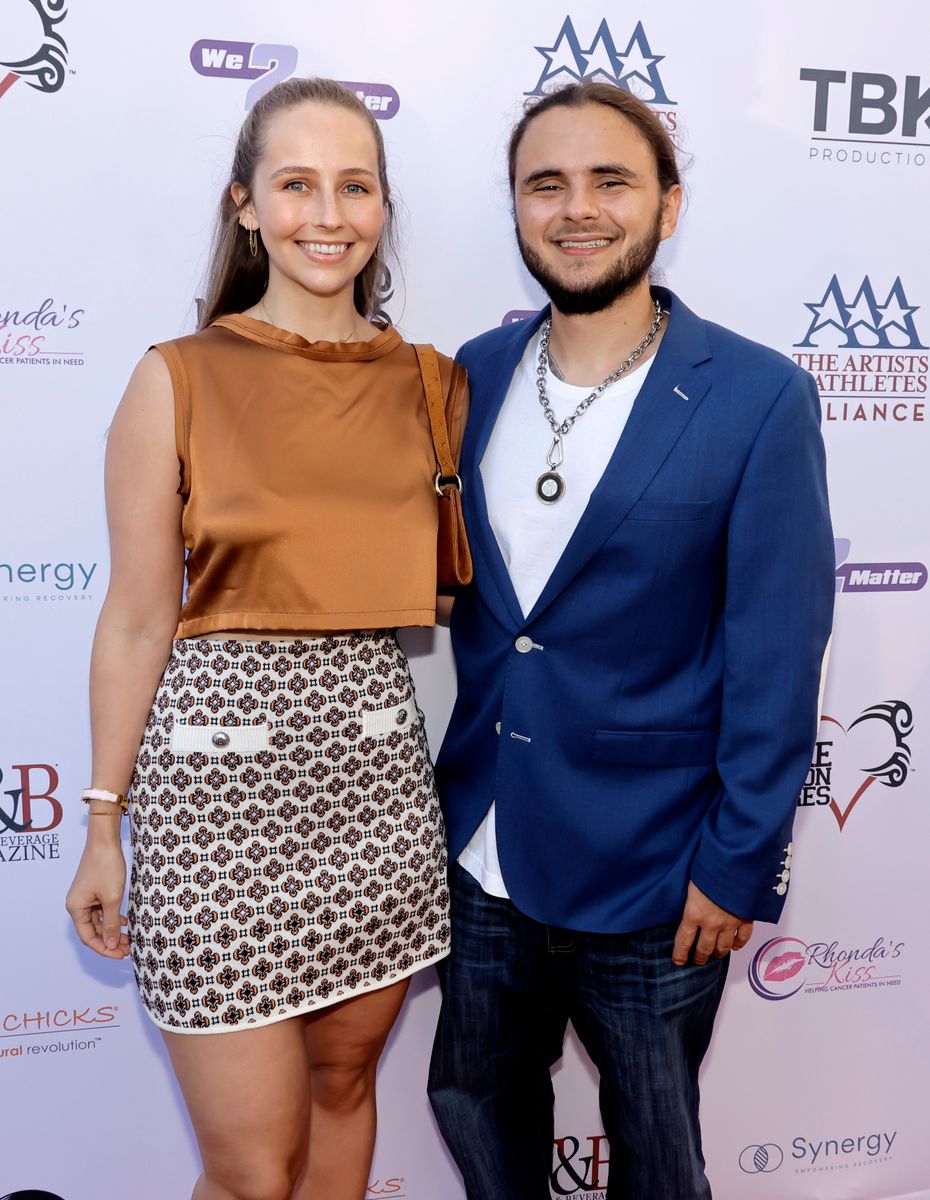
<point>343,1045</point>
<point>248,1097</point>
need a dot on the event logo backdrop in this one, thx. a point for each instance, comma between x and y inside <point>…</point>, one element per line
<point>805,137</point>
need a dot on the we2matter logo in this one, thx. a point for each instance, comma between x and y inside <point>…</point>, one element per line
<point>263,63</point>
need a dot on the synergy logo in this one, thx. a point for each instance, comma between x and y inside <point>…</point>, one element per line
<point>840,773</point>
<point>634,68</point>
<point>858,346</point>
<point>31,48</point>
<point>784,966</point>
<point>875,576</point>
<point>45,582</point>
<point>36,336</point>
<point>761,1159</point>
<point>820,1154</point>
<point>867,118</point>
<point>578,1172</point>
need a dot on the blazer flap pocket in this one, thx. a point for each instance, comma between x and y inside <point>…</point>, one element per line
<point>628,749</point>
<point>219,739</point>
<point>662,510</point>
<point>378,722</point>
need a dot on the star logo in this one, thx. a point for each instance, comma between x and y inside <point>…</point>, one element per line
<point>863,323</point>
<point>635,69</point>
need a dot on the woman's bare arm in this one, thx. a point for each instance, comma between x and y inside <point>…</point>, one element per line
<point>134,632</point>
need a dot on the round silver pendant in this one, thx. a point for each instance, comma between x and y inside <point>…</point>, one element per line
<point>550,487</point>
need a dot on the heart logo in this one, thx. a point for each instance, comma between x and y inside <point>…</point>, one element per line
<point>850,759</point>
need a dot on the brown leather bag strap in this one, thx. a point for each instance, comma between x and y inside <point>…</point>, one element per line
<point>432,386</point>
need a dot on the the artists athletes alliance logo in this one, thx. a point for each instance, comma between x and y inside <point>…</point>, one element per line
<point>31,45</point>
<point>628,63</point>
<point>785,966</point>
<point>867,118</point>
<point>265,64</point>
<point>849,758</point>
<point>863,345</point>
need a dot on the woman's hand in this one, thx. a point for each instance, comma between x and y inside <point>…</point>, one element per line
<point>94,897</point>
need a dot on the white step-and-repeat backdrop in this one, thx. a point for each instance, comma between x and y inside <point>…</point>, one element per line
<point>807,131</point>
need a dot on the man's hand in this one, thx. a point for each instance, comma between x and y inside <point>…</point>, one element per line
<point>718,931</point>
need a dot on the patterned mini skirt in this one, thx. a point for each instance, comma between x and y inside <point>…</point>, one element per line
<point>288,848</point>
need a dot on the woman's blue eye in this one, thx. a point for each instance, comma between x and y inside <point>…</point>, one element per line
<point>293,184</point>
<point>355,188</point>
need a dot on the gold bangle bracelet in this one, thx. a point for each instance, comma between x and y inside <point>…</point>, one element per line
<point>106,796</point>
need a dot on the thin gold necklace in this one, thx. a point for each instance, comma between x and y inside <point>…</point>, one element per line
<point>338,341</point>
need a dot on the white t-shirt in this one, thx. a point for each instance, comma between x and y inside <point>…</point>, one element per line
<point>531,534</point>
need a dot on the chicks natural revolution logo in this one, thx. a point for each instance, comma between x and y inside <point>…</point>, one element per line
<point>31,45</point>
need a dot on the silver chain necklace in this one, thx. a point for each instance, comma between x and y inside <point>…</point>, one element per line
<point>550,486</point>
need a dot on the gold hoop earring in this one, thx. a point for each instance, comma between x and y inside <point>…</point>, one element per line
<point>253,243</point>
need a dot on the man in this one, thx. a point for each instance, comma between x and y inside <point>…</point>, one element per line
<point>638,666</point>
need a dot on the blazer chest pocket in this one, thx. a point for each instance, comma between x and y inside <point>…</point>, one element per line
<point>219,739</point>
<point>662,510</point>
<point>624,748</point>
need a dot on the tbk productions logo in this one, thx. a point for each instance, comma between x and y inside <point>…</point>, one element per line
<point>31,48</point>
<point>849,759</point>
<point>784,966</point>
<point>266,64</point>
<point>29,814</point>
<point>867,118</point>
<point>634,67</point>
<point>876,576</point>
<point>580,1168</point>
<point>865,351</point>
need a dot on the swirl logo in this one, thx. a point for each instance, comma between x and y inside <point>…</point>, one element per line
<point>761,1159</point>
<point>31,48</point>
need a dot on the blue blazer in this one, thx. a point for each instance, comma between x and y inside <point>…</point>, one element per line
<point>651,721</point>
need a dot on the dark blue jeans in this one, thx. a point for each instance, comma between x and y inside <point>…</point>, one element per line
<point>510,987</point>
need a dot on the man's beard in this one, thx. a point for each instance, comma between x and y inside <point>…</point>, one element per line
<point>625,275</point>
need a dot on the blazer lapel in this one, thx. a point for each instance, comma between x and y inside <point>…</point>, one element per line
<point>490,379</point>
<point>674,388</point>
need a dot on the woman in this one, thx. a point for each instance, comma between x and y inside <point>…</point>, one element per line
<point>288,857</point>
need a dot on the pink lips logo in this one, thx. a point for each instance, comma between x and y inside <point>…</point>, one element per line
<point>849,759</point>
<point>775,965</point>
<point>781,967</point>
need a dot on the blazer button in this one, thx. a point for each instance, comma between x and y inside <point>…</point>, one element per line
<point>524,644</point>
<point>220,739</point>
<point>781,889</point>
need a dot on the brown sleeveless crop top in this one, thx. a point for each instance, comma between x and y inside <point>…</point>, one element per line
<point>307,476</point>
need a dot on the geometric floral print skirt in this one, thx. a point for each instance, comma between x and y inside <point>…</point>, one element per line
<point>288,848</point>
